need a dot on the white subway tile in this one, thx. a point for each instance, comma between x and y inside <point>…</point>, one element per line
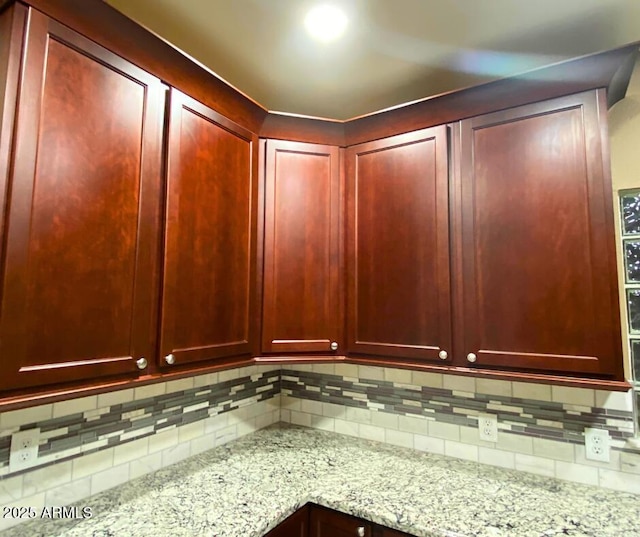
<point>291,403</point>
<point>179,385</point>
<point>246,426</point>
<point>629,462</point>
<point>370,373</point>
<point>322,422</point>
<point>73,406</point>
<point>130,451</point>
<point>385,420</point>
<point>325,369</point>
<point>151,390</point>
<point>230,374</point>
<point>201,381</point>
<point>345,427</point>
<point>311,407</point>
<point>573,396</point>
<point>413,424</point>
<point>399,438</point>
<point>190,431</point>
<point>46,478</point>
<point>470,435</point>
<point>203,443</point>
<point>535,465</point>
<point>11,489</point>
<point>92,464</point>
<point>429,380</point>
<point>145,465</point>
<point>175,454</point>
<point>285,416</point>
<point>459,383</point>
<point>460,450</point>
<point>109,478</point>
<point>37,502</point>
<point>552,449</point>
<point>529,390</point>
<point>497,457</point>
<point>226,435</point>
<point>515,442</point>
<point>615,400</point>
<point>24,416</point>
<point>619,480</point>
<point>333,410</point>
<point>361,415</point>
<point>398,376</point>
<point>115,398</point>
<point>371,432</point>
<point>493,387</point>
<point>429,444</point>
<point>578,473</point>
<point>163,440</point>
<point>214,423</point>
<point>448,431</point>
<point>300,418</point>
<point>77,490</point>
<point>347,370</point>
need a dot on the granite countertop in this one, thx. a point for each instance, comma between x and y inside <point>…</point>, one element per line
<point>249,486</point>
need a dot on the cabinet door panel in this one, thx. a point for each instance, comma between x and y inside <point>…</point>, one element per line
<point>82,218</point>
<point>302,251</point>
<point>297,525</point>
<point>398,246</point>
<point>208,238</point>
<point>538,257</point>
<point>329,523</point>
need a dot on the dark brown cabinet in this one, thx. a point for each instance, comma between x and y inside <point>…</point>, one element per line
<point>537,272</point>
<point>81,219</point>
<point>316,521</point>
<point>302,248</point>
<point>297,525</point>
<point>209,247</point>
<point>398,290</point>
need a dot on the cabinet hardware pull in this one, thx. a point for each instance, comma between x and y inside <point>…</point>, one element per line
<point>443,355</point>
<point>141,363</point>
<point>360,531</point>
<point>334,345</point>
<point>471,357</point>
<point>170,359</point>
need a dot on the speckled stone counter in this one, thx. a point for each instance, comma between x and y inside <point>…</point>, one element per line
<point>247,487</point>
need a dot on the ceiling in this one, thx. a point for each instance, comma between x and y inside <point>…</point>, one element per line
<point>393,51</point>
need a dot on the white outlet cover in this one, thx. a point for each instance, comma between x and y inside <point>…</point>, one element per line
<point>24,450</point>
<point>596,443</point>
<point>488,427</point>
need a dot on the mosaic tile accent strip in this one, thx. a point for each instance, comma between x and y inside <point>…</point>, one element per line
<point>539,419</point>
<point>82,433</point>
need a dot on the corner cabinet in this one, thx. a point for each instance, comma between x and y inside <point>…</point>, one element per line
<point>209,247</point>
<point>538,286</point>
<point>302,248</point>
<point>81,219</point>
<point>398,277</point>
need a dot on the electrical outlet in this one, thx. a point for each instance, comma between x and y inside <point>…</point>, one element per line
<point>596,443</point>
<point>488,427</point>
<point>24,449</point>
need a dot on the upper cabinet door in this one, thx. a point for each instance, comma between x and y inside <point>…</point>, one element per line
<point>398,294</point>
<point>81,244</point>
<point>209,239</point>
<point>301,304</point>
<point>538,257</point>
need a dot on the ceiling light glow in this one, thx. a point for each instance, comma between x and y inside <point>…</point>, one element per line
<point>325,22</point>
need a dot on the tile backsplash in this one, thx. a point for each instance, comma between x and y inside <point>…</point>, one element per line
<point>540,427</point>
<point>90,444</point>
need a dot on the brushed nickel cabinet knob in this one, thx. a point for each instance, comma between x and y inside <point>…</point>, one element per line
<point>170,359</point>
<point>334,345</point>
<point>141,363</point>
<point>471,357</point>
<point>360,531</point>
<point>443,355</point>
